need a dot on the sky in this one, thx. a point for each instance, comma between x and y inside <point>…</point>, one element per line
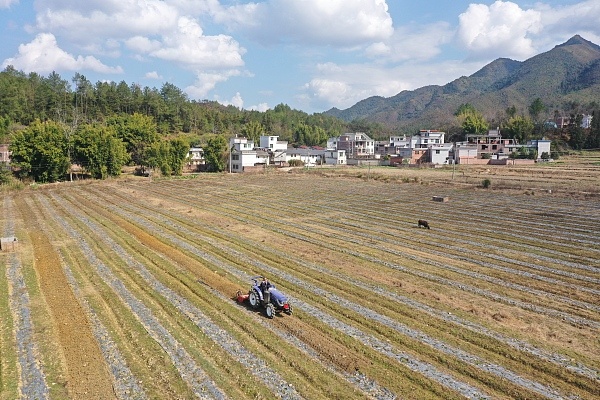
<point>309,54</point>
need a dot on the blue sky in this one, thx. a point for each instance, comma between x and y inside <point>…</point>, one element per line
<point>309,54</point>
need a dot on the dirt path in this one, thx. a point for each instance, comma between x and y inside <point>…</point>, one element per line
<point>87,373</point>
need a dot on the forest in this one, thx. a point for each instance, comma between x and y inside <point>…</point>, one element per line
<point>51,123</point>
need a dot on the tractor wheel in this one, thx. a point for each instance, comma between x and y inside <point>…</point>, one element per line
<point>270,310</point>
<point>290,309</point>
<point>253,299</point>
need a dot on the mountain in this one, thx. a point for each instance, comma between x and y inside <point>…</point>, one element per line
<point>567,75</point>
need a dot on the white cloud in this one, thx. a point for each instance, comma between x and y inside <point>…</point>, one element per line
<point>43,55</point>
<point>206,81</point>
<point>188,46</point>
<point>7,3</point>
<point>235,101</point>
<point>502,29</point>
<point>342,86</point>
<point>412,42</point>
<point>262,107</point>
<point>332,22</point>
<point>93,20</point>
<point>560,23</point>
<point>152,75</point>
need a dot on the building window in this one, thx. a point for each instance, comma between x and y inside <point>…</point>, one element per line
<point>437,152</point>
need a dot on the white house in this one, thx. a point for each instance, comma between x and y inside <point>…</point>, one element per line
<point>335,157</point>
<point>464,152</point>
<point>195,156</point>
<point>307,155</point>
<point>243,155</point>
<point>273,143</point>
<point>427,137</point>
<point>540,145</point>
<point>586,121</point>
<point>440,153</point>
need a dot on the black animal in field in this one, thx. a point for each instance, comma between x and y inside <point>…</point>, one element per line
<point>424,224</point>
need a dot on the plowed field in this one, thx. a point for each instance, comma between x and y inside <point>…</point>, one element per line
<point>125,289</point>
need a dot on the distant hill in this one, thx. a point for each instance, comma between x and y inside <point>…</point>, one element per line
<point>566,75</point>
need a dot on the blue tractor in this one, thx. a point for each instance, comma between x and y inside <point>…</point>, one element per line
<point>263,293</point>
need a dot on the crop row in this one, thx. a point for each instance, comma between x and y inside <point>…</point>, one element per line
<point>154,228</point>
<point>381,308</point>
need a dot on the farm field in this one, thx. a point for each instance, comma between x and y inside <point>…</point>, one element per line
<point>125,289</point>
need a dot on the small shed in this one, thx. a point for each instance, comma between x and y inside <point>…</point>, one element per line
<point>8,243</point>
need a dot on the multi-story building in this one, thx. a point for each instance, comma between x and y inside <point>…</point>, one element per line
<point>491,144</point>
<point>356,145</point>
<point>243,155</point>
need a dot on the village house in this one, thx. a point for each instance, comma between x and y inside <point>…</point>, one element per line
<point>308,156</point>
<point>356,145</point>
<point>195,158</point>
<point>335,157</point>
<point>4,154</point>
<point>244,157</point>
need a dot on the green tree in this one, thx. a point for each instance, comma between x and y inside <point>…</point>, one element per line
<point>536,108</point>
<point>519,127</point>
<point>253,130</point>
<point>99,150</point>
<point>137,131</point>
<point>215,154</point>
<point>577,137</point>
<point>593,139</point>
<point>167,155</point>
<point>471,120</point>
<point>178,152</point>
<point>4,125</point>
<point>41,151</point>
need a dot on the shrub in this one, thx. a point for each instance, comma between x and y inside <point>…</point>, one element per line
<point>486,183</point>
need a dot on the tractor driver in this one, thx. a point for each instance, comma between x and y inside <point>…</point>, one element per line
<point>264,286</point>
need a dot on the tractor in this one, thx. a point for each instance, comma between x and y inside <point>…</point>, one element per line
<point>263,293</point>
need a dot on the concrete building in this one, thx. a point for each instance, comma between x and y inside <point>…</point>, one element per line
<point>356,145</point>
<point>335,157</point>
<point>309,156</point>
<point>244,157</point>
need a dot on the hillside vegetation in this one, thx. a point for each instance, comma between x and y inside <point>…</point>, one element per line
<point>566,78</point>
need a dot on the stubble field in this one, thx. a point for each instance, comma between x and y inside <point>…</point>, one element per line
<point>125,289</point>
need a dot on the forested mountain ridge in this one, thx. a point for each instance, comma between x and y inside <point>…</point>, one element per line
<point>566,78</point>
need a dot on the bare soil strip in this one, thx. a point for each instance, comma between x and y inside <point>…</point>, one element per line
<point>87,373</point>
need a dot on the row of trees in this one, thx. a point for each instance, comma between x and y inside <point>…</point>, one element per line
<point>45,151</point>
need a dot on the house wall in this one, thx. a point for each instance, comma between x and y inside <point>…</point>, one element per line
<point>4,153</point>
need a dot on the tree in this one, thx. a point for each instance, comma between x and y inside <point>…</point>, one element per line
<point>4,125</point>
<point>167,155</point>
<point>99,151</point>
<point>215,153</point>
<point>593,139</point>
<point>472,121</point>
<point>253,130</point>
<point>178,152</point>
<point>519,127</point>
<point>41,151</point>
<point>535,108</point>
<point>137,131</point>
<point>577,136</point>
